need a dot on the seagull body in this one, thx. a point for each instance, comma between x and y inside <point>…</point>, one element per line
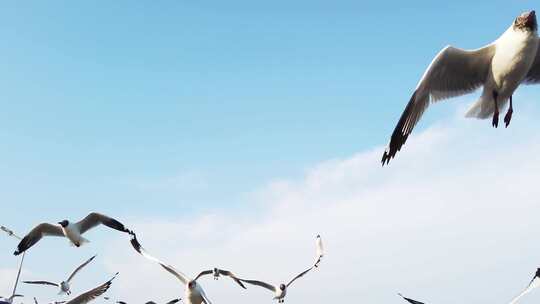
<point>513,59</point>
<point>65,286</point>
<point>280,291</point>
<point>535,283</point>
<point>193,291</point>
<point>72,231</point>
<point>92,294</point>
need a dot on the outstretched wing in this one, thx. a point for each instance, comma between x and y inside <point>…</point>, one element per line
<point>92,294</point>
<point>41,283</point>
<point>41,230</point>
<point>260,284</point>
<point>137,246</point>
<point>95,219</point>
<point>535,283</point>
<point>533,77</point>
<point>453,72</point>
<point>173,301</point>
<point>410,300</point>
<point>79,268</point>
<point>320,253</point>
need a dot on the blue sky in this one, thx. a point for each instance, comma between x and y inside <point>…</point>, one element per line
<point>188,107</point>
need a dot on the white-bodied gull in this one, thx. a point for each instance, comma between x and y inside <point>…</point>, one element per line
<point>72,231</point>
<point>280,291</point>
<point>499,68</point>
<point>65,286</point>
<point>193,292</point>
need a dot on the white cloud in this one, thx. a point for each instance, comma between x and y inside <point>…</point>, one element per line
<point>453,218</point>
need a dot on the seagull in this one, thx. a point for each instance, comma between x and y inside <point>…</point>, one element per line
<point>193,293</point>
<point>499,68</point>
<point>410,300</point>
<point>10,299</point>
<point>91,295</point>
<point>281,291</point>
<point>64,285</point>
<point>535,282</point>
<point>72,231</point>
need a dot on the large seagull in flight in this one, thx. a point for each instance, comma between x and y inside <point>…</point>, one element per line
<point>499,68</point>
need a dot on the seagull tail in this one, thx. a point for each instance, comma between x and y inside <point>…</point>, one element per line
<point>484,107</point>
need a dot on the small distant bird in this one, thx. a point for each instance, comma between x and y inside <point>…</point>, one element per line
<point>170,302</point>
<point>281,291</point>
<point>10,299</point>
<point>499,68</point>
<point>92,294</point>
<point>72,231</point>
<point>64,285</point>
<point>535,283</point>
<point>410,300</point>
<point>193,293</point>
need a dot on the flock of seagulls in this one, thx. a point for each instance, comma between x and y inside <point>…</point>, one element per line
<point>499,68</point>
<point>193,290</point>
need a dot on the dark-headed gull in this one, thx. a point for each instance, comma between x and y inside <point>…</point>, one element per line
<point>535,282</point>
<point>64,285</point>
<point>92,294</point>
<point>280,291</point>
<point>499,68</point>
<point>72,231</point>
<point>193,291</point>
<point>410,300</point>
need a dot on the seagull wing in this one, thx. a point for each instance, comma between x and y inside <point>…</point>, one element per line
<point>41,230</point>
<point>41,283</point>
<point>95,219</point>
<point>320,253</point>
<point>261,284</point>
<point>410,300</point>
<point>533,77</point>
<point>92,294</point>
<point>173,301</point>
<point>79,268</point>
<point>135,243</point>
<point>453,72</point>
<point>535,282</point>
<point>232,276</point>
<point>203,273</point>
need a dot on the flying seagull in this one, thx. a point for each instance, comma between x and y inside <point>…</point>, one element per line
<point>193,293</point>
<point>281,291</point>
<point>535,282</point>
<point>64,285</point>
<point>499,68</point>
<point>410,300</point>
<point>72,231</point>
<point>92,294</point>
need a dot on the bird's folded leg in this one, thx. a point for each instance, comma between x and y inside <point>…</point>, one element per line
<point>495,122</point>
<point>508,115</point>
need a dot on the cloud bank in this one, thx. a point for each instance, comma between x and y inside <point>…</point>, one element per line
<point>453,218</point>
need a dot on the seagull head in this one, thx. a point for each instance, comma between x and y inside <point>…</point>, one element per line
<point>282,287</point>
<point>526,22</point>
<point>191,284</point>
<point>64,223</point>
